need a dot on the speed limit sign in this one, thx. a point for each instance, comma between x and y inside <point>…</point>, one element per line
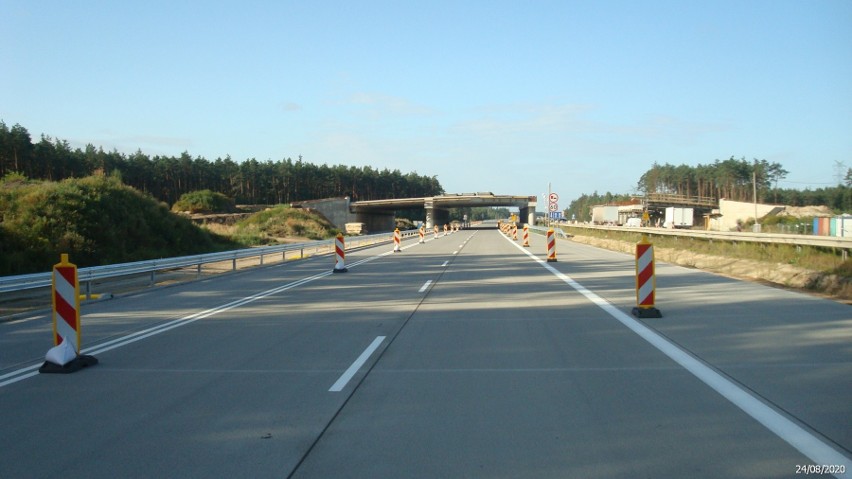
<point>554,207</point>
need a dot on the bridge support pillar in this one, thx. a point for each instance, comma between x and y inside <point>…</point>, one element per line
<point>528,214</point>
<point>524,216</point>
<point>435,216</point>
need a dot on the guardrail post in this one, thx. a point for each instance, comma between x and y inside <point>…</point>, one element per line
<point>65,356</point>
<point>646,282</point>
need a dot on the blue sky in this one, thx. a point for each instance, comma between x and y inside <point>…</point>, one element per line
<point>486,95</point>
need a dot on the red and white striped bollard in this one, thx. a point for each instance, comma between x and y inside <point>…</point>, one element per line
<point>551,246</point>
<point>646,281</point>
<point>340,254</point>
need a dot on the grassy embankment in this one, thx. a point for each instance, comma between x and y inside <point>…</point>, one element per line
<point>98,220</point>
<point>279,224</point>
<point>818,269</point>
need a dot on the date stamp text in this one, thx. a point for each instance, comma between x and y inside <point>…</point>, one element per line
<point>817,469</point>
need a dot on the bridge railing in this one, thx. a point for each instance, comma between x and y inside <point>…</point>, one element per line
<point>671,199</point>
<point>88,275</point>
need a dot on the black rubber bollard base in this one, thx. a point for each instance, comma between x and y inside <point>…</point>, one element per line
<point>647,313</point>
<point>76,364</point>
<point>342,270</point>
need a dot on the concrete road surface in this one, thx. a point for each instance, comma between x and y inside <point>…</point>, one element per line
<point>467,356</point>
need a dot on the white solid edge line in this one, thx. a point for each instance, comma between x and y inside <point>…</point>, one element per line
<point>805,442</point>
<point>347,375</point>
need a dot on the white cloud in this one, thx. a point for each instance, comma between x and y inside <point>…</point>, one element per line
<point>290,106</point>
<point>384,105</point>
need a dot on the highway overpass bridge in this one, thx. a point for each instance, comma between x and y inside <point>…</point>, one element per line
<point>378,215</point>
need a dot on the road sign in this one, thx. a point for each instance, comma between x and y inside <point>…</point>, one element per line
<point>554,197</point>
<point>554,207</point>
<point>556,215</point>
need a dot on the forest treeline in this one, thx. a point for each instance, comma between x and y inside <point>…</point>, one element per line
<point>735,179</point>
<point>166,178</point>
<point>732,179</point>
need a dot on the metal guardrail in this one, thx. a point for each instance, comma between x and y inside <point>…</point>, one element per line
<point>543,231</point>
<point>766,238</point>
<point>88,275</point>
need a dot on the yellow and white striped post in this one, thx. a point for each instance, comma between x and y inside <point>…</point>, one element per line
<point>646,281</point>
<point>65,356</point>
<point>422,234</point>
<point>551,246</point>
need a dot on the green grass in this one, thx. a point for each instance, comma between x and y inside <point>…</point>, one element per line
<point>273,224</point>
<point>204,201</point>
<point>96,220</point>
<point>826,260</point>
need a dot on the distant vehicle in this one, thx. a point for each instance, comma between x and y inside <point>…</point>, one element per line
<point>605,215</point>
<point>633,222</point>
<point>678,217</point>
